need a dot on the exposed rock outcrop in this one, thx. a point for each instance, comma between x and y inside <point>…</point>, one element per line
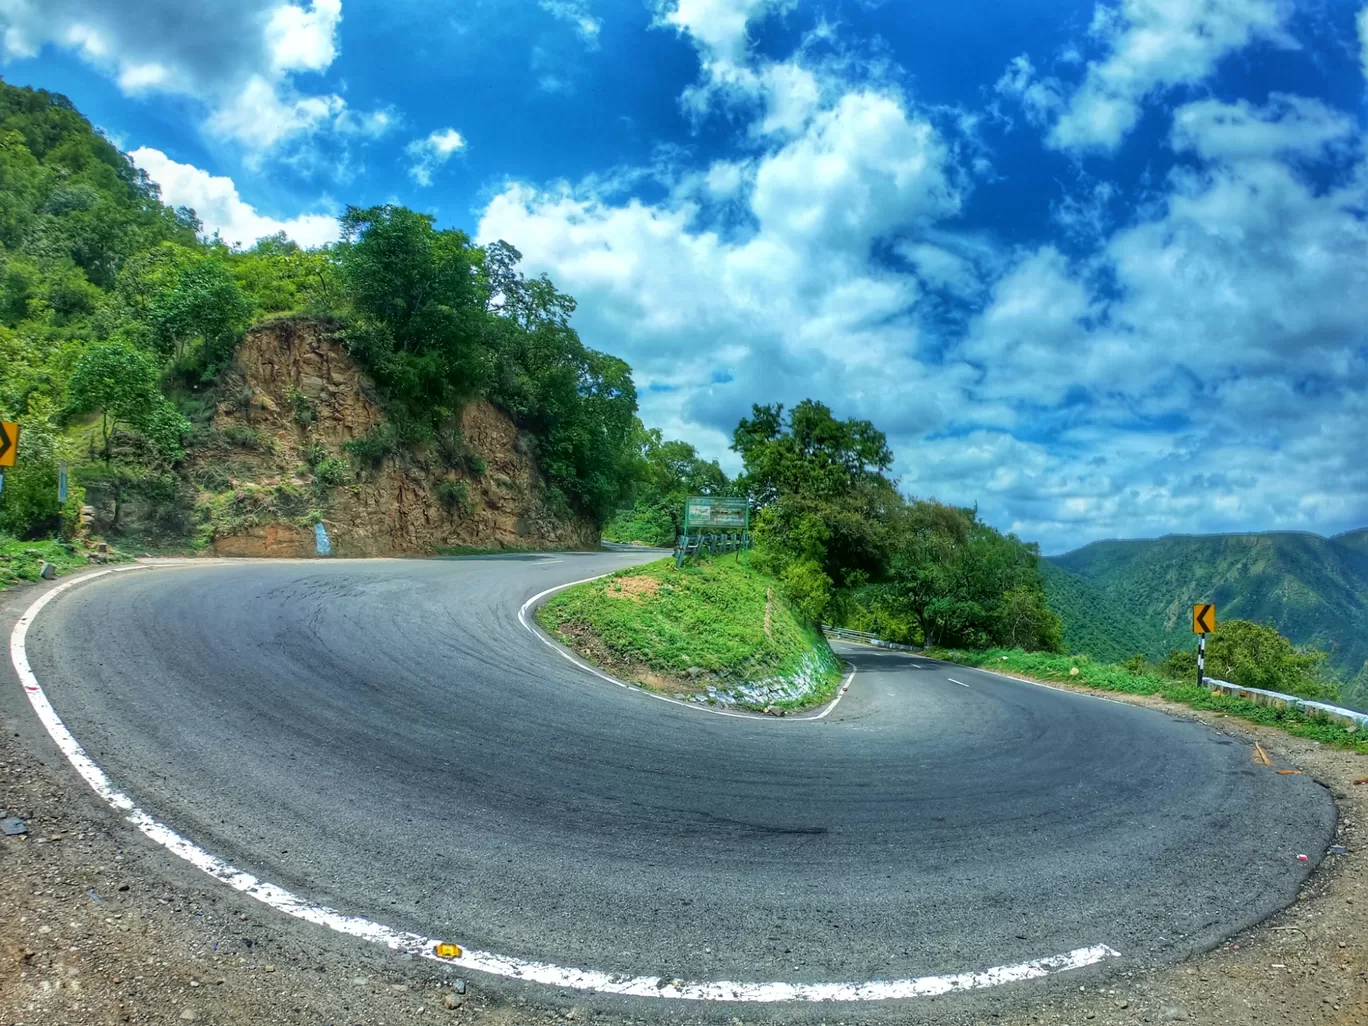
<point>296,397</point>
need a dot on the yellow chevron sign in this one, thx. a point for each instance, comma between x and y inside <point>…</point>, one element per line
<point>1203,619</point>
<point>9,443</point>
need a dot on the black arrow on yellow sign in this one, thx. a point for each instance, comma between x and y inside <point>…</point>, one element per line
<point>9,443</point>
<point>1203,619</point>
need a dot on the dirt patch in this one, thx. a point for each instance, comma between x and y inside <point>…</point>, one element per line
<point>638,588</point>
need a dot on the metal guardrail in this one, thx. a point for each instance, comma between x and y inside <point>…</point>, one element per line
<point>864,637</point>
<point>1350,717</point>
<point>712,543</point>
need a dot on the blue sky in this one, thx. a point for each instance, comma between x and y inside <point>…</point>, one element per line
<point>1100,267</point>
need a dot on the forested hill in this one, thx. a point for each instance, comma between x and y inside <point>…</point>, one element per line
<point>1095,624</point>
<point>1312,589</point>
<point>120,325</point>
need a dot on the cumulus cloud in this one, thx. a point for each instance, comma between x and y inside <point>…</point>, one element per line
<point>1363,39</point>
<point>1040,98</point>
<point>220,208</point>
<point>1203,367</point>
<point>240,58</point>
<point>431,152</point>
<point>1146,47</point>
<point>577,14</point>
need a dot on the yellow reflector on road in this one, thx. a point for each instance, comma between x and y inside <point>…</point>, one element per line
<point>448,951</point>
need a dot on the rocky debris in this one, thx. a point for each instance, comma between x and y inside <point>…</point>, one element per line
<point>766,694</point>
<point>47,571</point>
<point>13,826</point>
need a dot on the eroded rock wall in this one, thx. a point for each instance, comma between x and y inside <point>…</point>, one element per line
<point>295,388</point>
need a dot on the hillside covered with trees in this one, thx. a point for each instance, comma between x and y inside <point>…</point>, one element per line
<point>119,323</point>
<point>1312,589</point>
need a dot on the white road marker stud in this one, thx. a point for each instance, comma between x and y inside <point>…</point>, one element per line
<point>485,961</point>
<point>959,682</point>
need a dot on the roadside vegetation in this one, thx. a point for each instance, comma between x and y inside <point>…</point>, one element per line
<point>1139,677</point>
<point>711,626</point>
<point>23,560</point>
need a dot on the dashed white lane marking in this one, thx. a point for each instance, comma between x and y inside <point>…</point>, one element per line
<point>484,961</point>
<point>959,682</point>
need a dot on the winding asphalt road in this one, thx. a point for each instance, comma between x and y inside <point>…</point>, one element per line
<point>384,737</point>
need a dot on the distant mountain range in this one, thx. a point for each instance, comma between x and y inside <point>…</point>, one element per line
<point>1117,598</point>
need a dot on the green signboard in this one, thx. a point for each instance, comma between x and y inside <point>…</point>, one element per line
<point>712,513</point>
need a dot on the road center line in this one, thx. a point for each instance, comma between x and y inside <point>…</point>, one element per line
<point>484,961</point>
<point>959,682</point>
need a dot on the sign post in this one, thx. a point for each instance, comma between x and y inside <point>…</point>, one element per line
<point>1203,623</point>
<point>719,523</point>
<point>61,484</point>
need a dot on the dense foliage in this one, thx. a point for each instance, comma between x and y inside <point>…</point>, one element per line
<point>1095,624</point>
<point>1255,655</point>
<point>847,547</point>
<point>118,320</point>
<point>668,472</point>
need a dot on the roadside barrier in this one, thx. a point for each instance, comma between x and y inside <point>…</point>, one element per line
<point>865,638</point>
<point>1349,717</point>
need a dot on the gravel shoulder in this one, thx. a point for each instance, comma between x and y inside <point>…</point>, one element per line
<point>100,926</point>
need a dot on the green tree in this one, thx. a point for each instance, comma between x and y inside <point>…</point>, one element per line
<point>821,489</point>
<point>120,382</point>
<point>667,472</point>
<point>1255,655</point>
<point>418,320</point>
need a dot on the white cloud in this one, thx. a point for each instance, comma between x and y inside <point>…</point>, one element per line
<point>1147,47</point>
<point>239,58</point>
<point>222,210</point>
<point>576,13</point>
<point>1363,39</point>
<point>431,152</point>
<point>719,28</point>
<point>1040,98</point>
<point>1240,131</point>
<point>304,39</point>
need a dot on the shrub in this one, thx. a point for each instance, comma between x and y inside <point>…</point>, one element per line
<point>301,406</point>
<point>315,453</point>
<point>455,496</point>
<point>374,447</point>
<point>331,472</point>
<point>243,437</point>
<point>1255,655</point>
<point>476,465</point>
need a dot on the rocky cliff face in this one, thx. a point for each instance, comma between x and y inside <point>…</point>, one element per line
<point>292,402</point>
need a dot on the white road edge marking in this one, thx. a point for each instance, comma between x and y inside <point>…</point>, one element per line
<point>959,682</point>
<point>484,961</point>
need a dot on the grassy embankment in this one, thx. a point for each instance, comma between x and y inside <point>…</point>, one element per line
<point>1045,666</point>
<point>22,560</point>
<point>715,624</point>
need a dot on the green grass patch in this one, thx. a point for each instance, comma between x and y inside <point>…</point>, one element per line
<point>715,622</point>
<point>22,560</point>
<point>1046,666</point>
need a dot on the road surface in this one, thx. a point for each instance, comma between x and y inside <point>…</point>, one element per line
<point>384,737</point>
